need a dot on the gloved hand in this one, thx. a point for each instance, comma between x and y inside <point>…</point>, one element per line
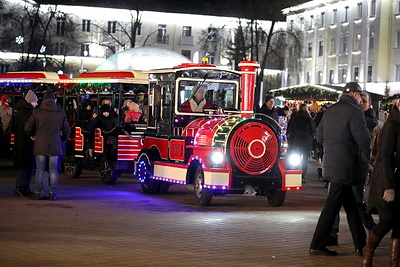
<point>388,195</point>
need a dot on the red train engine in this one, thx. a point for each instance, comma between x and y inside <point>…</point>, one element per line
<point>216,142</point>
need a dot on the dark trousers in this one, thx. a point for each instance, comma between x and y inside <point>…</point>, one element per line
<point>366,218</point>
<point>339,195</point>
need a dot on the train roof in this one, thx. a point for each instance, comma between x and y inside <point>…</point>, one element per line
<point>111,76</point>
<point>190,66</point>
<point>30,77</point>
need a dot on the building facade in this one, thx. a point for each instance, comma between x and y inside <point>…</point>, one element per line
<point>348,40</point>
<point>86,36</point>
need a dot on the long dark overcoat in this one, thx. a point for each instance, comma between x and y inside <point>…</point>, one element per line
<point>23,149</point>
<point>344,134</point>
<point>50,126</point>
<point>386,171</point>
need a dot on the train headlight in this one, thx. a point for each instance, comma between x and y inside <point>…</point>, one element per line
<point>217,157</point>
<point>294,160</point>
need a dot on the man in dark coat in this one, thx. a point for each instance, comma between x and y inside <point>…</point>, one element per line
<point>346,140</point>
<point>49,127</point>
<point>268,107</point>
<point>24,160</point>
<point>385,190</point>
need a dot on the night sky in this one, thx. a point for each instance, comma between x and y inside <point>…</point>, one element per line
<point>256,9</point>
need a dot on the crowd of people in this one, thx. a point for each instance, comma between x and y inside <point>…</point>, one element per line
<point>340,135</point>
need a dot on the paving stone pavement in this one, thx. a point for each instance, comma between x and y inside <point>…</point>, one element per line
<point>101,225</point>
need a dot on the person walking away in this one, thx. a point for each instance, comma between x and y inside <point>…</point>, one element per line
<point>24,159</point>
<point>49,127</point>
<point>344,134</point>
<point>385,190</point>
<point>301,130</point>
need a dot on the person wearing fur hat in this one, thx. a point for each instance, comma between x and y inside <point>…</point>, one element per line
<point>49,127</point>
<point>24,159</point>
<point>6,111</point>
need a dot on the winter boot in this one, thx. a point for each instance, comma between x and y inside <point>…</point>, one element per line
<point>394,252</point>
<point>18,192</point>
<point>369,249</point>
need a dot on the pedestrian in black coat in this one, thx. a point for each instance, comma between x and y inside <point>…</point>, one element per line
<point>24,160</point>
<point>384,195</point>
<point>268,107</point>
<point>301,130</point>
<point>346,140</point>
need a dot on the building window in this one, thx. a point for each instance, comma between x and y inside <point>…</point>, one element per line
<point>373,8</point>
<point>138,26</point>
<point>309,50</point>
<point>344,44</point>
<point>398,39</point>
<point>334,17</point>
<point>331,76</point>
<point>86,25</point>
<point>211,57</point>
<point>187,31</point>
<point>311,25</point>
<point>333,46</point>
<point>60,27</point>
<point>369,74</point>
<point>322,20</point>
<point>359,11</point>
<point>319,77</point>
<point>321,48</point>
<point>162,36</point>
<point>291,25</point>
<point>308,77</point>
<point>343,75</point>
<point>59,48</point>
<point>112,25</point>
<point>186,53</point>
<point>398,6</point>
<point>4,68</point>
<point>397,74</point>
<point>356,74</point>
<point>357,42</point>
<point>211,34</point>
<point>302,24</point>
<point>84,50</point>
<point>346,14</point>
<point>372,38</point>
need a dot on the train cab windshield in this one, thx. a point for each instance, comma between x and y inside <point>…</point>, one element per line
<point>204,96</point>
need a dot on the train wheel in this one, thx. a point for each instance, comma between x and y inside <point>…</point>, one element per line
<point>144,173</point>
<point>108,174</point>
<point>276,197</point>
<point>72,169</point>
<point>164,186</point>
<point>202,195</point>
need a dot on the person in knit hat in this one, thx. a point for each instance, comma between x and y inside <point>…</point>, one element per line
<point>6,111</point>
<point>268,107</point>
<point>24,159</point>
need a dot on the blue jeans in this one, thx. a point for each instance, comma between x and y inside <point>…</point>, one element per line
<point>40,173</point>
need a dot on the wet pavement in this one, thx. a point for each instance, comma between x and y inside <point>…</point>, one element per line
<point>101,225</point>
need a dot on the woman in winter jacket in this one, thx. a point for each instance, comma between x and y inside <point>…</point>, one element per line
<point>384,196</point>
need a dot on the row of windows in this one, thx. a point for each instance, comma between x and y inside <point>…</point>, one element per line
<point>321,21</point>
<point>344,44</point>
<point>342,75</point>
